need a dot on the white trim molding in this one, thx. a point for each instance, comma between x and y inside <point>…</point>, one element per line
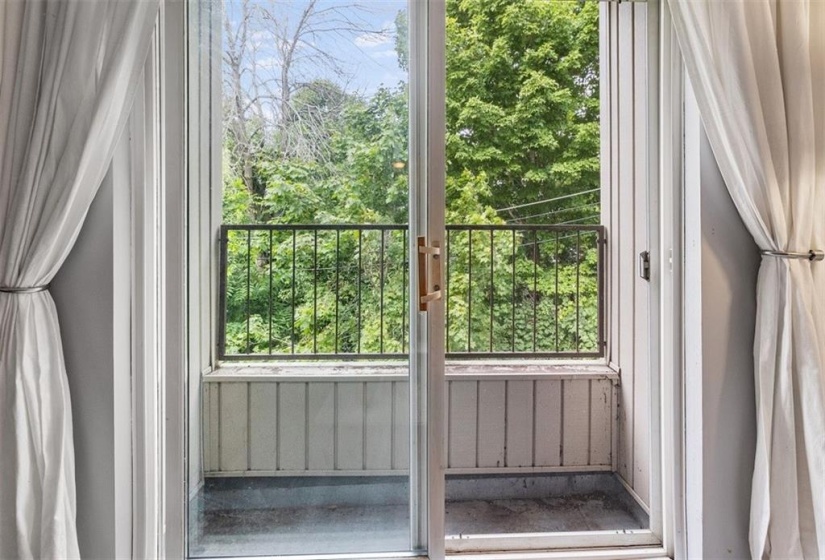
<point>147,309</point>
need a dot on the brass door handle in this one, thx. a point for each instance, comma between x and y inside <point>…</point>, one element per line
<point>431,265</point>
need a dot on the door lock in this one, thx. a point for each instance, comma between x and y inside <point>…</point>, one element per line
<point>644,265</point>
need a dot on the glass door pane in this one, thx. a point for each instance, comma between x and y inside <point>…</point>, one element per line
<point>538,447</point>
<point>309,422</point>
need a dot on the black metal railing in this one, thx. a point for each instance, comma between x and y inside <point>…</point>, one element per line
<point>292,292</point>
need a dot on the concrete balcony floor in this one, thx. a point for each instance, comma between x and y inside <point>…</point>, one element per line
<point>327,515</point>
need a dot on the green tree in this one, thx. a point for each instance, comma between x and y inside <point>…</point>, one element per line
<point>523,101</point>
<point>522,124</point>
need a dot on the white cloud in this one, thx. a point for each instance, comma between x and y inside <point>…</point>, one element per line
<point>372,40</point>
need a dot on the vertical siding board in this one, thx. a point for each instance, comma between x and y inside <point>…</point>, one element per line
<point>263,426</point>
<point>491,409</point>
<point>350,426</point>
<point>627,258</point>
<point>321,427</point>
<point>292,426</point>
<point>462,424</point>
<point>613,233</point>
<point>576,422</point>
<point>548,423</point>
<point>234,426</point>
<point>379,426</point>
<point>601,410</point>
<point>519,452</point>
<point>401,425</point>
<point>641,335</point>
<point>213,460</point>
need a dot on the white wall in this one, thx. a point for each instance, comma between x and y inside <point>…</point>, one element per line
<point>721,264</point>
<point>92,294</point>
<point>625,210</point>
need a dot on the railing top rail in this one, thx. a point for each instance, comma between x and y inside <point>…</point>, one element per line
<point>399,227</point>
<point>524,227</point>
<point>312,227</point>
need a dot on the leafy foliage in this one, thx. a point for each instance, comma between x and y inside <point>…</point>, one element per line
<point>522,127</point>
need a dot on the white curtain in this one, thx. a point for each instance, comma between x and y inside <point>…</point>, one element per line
<point>67,72</point>
<point>758,68</point>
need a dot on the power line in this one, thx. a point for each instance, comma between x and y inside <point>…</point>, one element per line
<point>578,220</point>
<point>547,200</point>
<point>559,211</point>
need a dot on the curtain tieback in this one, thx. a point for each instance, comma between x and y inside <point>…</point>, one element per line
<point>812,255</point>
<point>32,290</point>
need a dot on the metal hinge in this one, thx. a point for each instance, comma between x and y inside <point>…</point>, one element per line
<point>644,265</point>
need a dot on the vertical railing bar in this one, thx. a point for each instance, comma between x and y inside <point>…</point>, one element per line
<point>381,296</point>
<point>470,291</point>
<point>248,286</point>
<point>270,293</point>
<point>294,265</point>
<point>315,293</point>
<point>578,288</point>
<point>492,290</point>
<point>556,298</point>
<point>535,285</point>
<point>360,265</point>
<point>513,296</point>
<point>405,264</point>
<point>337,282</point>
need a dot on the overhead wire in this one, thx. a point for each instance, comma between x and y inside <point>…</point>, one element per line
<point>546,200</point>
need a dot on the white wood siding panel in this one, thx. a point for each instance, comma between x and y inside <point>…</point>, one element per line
<point>519,452</point>
<point>601,422</point>
<point>491,425</point>
<point>292,426</point>
<point>627,250</point>
<point>233,426</point>
<point>576,422</point>
<point>625,209</point>
<point>321,426</point>
<point>379,426</point>
<point>548,423</point>
<point>360,427</point>
<point>212,435</point>
<point>641,330</point>
<point>263,426</point>
<point>462,423</point>
<point>401,426</point>
<point>350,426</point>
<point>612,212</point>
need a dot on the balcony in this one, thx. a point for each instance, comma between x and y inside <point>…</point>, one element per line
<point>307,419</point>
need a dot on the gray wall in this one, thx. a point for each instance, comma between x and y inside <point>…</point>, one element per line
<point>722,263</point>
<point>730,261</point>
<point>92,295</point>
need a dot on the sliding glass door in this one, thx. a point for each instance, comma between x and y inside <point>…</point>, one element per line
<point>418,345</point>
<point>309,435</point>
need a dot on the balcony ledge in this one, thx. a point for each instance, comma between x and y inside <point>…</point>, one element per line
<point>456,370</point>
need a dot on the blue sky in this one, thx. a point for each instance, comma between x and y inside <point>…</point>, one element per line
<point>367,56</point>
